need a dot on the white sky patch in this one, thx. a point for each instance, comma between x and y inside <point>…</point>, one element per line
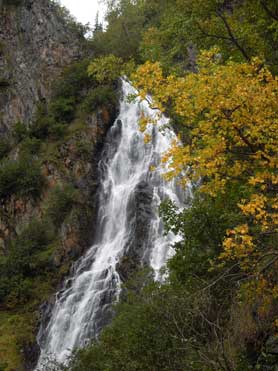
<point>85,11</point>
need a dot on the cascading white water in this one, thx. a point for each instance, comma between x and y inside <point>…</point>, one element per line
<point>82,307</point>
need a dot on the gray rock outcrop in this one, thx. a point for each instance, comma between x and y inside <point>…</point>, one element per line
<point>35,44</point>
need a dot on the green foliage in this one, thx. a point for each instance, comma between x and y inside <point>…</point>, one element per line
<point>5,147</point>
<point>241,30</point>
<point>157,328</point>
<point>60,203</point>
<point>202,227</point>
<point>62,109</point>
<point>135,341</point>
<point>4,83</point>
<point>98,97</point>
<point>123,34</point>
<point>22,263</point>
<point>170,31</point>
<point>30,147</point>
<point>74,80</point>
<point>45,126</point>
<point>35,237</point>
<point>22,178</point>
<point>106,69</point>
<point>75,93</point>
<point>84,150</point>
<point>19,131</point>
<point>12,2</point>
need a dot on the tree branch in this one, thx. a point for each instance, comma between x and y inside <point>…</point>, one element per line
<point>232,37</point>
<point>268,11</point>
<point>212,35</point>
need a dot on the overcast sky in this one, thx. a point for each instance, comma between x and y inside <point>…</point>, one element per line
<point>84,10</point>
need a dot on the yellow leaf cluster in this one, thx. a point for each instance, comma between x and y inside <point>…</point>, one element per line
<point>232,110</point>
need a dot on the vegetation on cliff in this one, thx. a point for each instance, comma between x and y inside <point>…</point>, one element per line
<point>47,196</point>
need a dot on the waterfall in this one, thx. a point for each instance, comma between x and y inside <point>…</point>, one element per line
<point>128,226</point>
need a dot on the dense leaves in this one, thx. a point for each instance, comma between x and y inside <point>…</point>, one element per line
<point>223,102</point>
<point>156,328</point>
<point>23,262</point>
<point>232,110</point>
<point>21,178</point>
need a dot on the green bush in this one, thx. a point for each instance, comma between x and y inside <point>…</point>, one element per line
<point>3,366</point>
<point>5,147</point>
<point>102,95</point>
<point>60,204</point>
<point>30,146</point>
<point>74,80</point>
<point>22,178</point>
<point>47,127</point>
<point>202,228</point>
<point>19,132</point>
<point>4,83</point>
<point>84,150</point>
<point>34,238</point>
<point>156,328</point>
<point>62,109</point>
<point>106,69</point>
<point>23,262</point>
<point>12,2</point>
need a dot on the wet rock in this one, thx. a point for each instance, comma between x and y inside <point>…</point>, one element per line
<point>31,353</point>
<point>139,217</point>
<point>45,315</point>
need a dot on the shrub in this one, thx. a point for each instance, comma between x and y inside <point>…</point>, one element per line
<point>106,69</point>
<point>102,95</point>
<point>84,150</point>
<point>34,238</point>
<point>12,2</point>
<point>19,131</point>
<point>22,178</point>
<point>4,83</point>
<point>162,326</point>
<point>60,204</point>
<point>46,126</point>
<point>30,146</point>
<point>75,79</point>
<point>202,228</point>
<point>62,109</point>
<point>23,262</point>
<point>5,147</point>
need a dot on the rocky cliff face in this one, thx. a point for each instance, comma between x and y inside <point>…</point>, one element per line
<point>35,44</point>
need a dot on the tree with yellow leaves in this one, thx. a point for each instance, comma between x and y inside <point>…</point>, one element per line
<point>232,112</point>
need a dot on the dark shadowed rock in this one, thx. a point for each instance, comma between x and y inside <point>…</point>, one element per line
<point>139,217</point>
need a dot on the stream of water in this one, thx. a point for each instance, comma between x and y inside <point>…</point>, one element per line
<point>128,224</point>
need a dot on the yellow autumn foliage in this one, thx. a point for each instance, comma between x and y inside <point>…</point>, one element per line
<point>232,112</point>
